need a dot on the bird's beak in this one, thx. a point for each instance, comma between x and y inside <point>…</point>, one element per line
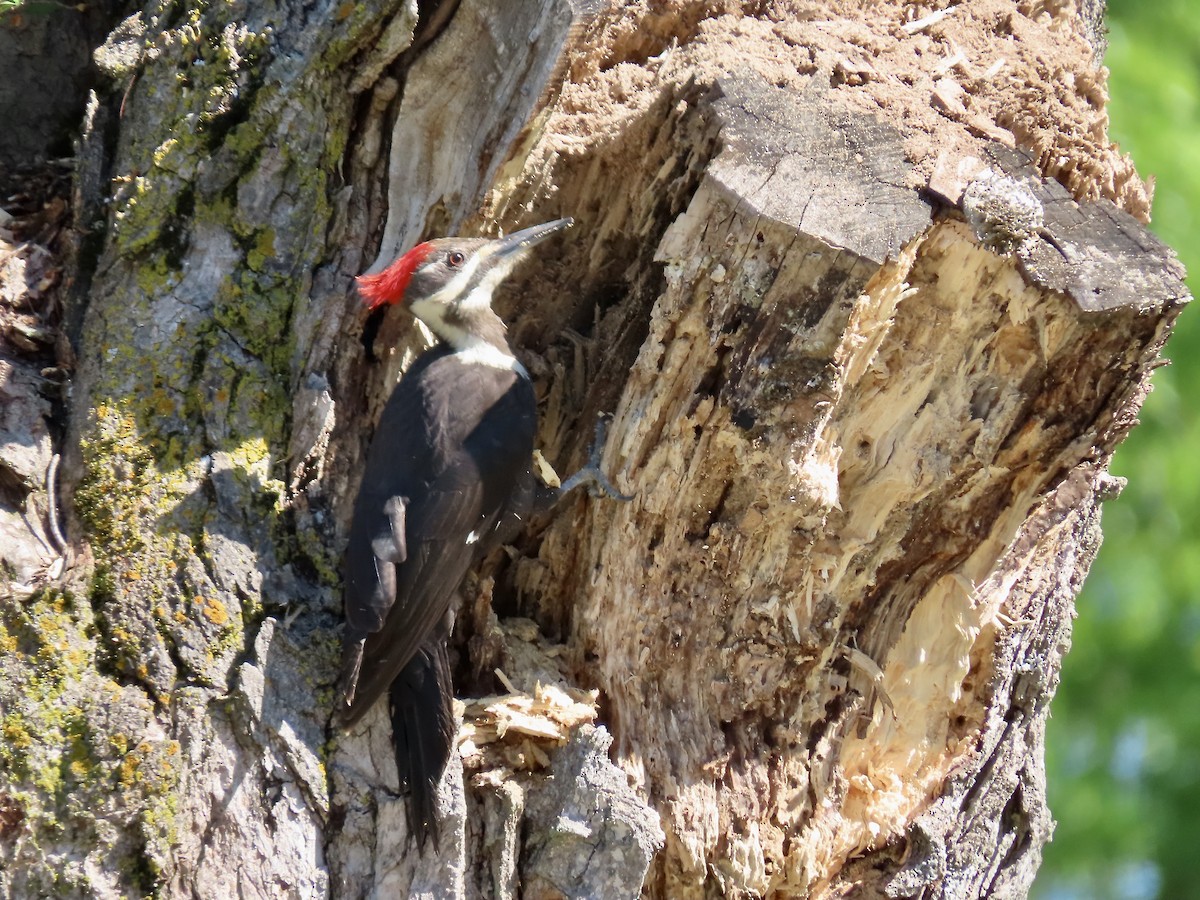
<point>527,237</point>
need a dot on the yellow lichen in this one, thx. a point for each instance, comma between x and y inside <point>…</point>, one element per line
<point>16,735</point>
<point>213,610</point>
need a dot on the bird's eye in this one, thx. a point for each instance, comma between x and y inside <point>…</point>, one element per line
<point>454,259</point>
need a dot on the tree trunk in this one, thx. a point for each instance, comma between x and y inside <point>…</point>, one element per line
<point>865,291</point>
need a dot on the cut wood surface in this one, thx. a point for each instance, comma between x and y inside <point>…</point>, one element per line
<point>867,295</point>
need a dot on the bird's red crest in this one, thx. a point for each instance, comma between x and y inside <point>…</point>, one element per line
<point>389,285</point>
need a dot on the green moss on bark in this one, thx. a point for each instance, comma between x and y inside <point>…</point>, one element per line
<point>219,216</point>
<point>64,742</point>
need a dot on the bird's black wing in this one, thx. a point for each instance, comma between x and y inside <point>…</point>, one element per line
<point>449,448</point>
<point>439,556</point>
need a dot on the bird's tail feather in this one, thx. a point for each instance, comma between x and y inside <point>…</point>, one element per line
<point>421,704</point>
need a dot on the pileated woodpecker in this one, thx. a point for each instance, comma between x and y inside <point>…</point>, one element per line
<point>449,463</point>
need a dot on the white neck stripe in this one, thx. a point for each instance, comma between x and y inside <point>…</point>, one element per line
<point>484,354</point>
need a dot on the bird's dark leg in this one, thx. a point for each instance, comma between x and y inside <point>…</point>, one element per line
<point>533,497</point>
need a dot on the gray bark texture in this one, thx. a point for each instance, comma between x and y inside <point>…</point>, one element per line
<point>868,296</point>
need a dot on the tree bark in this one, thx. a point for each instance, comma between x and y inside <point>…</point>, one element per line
<point>867,293</point>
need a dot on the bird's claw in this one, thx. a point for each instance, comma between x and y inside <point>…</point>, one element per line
<point>597,483</point>
<point>592,475</point>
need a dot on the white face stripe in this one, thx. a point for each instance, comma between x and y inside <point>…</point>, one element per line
<point>455,285</point>
<point>430,312</point>
<point>481,296</point>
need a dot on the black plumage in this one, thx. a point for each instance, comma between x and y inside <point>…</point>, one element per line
<point>448,466</point>
<point>451,447</point>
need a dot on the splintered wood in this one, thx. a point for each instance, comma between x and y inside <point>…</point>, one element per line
<point>853,460</point>
<point>514,731</point>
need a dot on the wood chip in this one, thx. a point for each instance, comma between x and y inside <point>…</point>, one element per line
<point>546,471</point>
<point>921,24</point>
<point>504,681</point>
<point>514,729</point>
<point>955,59</point>
<point>948,97</point>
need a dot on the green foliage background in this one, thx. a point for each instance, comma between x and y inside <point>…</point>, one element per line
<point>1123,751</point>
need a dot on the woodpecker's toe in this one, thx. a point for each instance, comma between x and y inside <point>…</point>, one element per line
<point>592,475</point>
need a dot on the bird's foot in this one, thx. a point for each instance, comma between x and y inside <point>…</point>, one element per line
<point>592,475</point>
